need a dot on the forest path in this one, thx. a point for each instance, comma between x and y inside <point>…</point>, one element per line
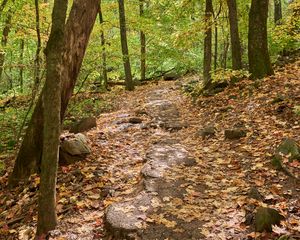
<point>195,196</point>
<point>197,185</point>
<point>159,179</point>
<point>152,176</point>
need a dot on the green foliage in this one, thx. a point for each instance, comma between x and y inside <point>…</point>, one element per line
<point>2,167</point>
<point>229,75</point>
<point>297,110</point>
<point>285,37</point>
<point>11,118</point>
<point>86,107</point>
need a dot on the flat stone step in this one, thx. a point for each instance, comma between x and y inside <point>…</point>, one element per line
<point>132,218</point>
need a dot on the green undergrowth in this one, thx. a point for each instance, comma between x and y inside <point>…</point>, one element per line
<point>15,115</point>
<point>88,105</point>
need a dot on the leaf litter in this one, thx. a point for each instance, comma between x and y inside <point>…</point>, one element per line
<point>216,193</point>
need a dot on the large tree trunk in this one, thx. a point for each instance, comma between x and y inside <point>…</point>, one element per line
<point>47,219</point>
<point>234,35</point>
<point>78,29</point>
<point>104,65</point>
<point>208,44</point>
<point>129,85</point>
<point>277,12</point>
<point>143,45</point>
<point>259,59</point>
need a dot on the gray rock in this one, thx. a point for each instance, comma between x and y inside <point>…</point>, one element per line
<point>84,125</point>
<point>124,127</point>
<point>160,158</point>
<point>157,95</point>
<point>234,134</point>
<point>73,148</point>
<point>171,76</point>
<point>172,125</point>
<point>126,218</point>
<point>165,113</point>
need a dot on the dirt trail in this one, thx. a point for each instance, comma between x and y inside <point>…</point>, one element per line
<point>150,175</point>
<point>207,199</point>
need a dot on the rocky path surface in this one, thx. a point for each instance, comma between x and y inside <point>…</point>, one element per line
<point>146,214</point>
<point>165,169</point>
<point>162,167</point>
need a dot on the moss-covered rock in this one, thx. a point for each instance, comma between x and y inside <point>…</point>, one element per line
<point>207,131</point>
<point>255,194</point>
<point>234,134</point>
<point>265,218</point>
<point>289,147</point>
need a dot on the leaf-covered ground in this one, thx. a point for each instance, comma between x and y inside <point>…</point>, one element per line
<point>225,169</point>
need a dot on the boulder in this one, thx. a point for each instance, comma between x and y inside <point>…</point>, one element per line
<point>289,147</point>
<point>207,131</point>
<point>265,218</point>
<point>171,76</point>
<point>73,148</point>
<point>135,120</point>
<point>125,219</point>
<point>234,134</point>
<point>84,125</point>
<point>255,194</point>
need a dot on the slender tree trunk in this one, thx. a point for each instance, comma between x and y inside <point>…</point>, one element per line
<point>234,36</point>
<point>5,32</point>
<point>129,85</point>
<point>104,64</point>
<point>216,48</point>
<point>78,29</point>
<point>47,219</point>
<point>258,53</point>
<point>21,79</point>
<point>143,45</point>
<point>37,61</point>
<point>225,53</point>
<point>208,44</point>
<point>277,12</point>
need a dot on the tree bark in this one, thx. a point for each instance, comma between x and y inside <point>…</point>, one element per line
<point>47,219</point>
<point>143,45</point>
<point>104,64</point>
<point>258,53</point>
<point>216,48</point>
<point>21,79</point>
<point>78,29</point>
<point>4,40</point>
<point>234,35</point>
<point>277,12</point>
<point>37,61</point>
<point>129,85</point>
<point>208,44</point>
